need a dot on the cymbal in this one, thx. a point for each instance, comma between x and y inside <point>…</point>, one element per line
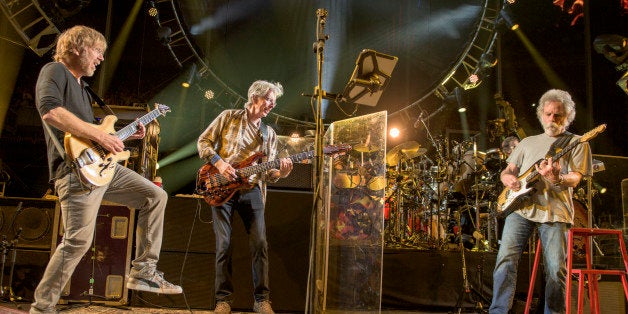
<point>407,150</point>
<point>365,148</point>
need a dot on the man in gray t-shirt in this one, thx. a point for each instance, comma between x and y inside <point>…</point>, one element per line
<point>549,207</point>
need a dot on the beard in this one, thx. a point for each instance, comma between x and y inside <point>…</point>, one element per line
<point>86,66</point>
<point>553,128</point>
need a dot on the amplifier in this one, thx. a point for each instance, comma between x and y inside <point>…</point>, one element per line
<point>100,275</point>
<point>300,178</point>
<point>31,221</point>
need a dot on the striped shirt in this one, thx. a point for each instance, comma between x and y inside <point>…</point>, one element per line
<point>233,138</point>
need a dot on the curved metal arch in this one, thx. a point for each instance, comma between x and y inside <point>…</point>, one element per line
<point>469,62</point>
<point>182,48</point>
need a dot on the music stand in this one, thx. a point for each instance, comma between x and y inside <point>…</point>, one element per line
<point>370,77</point>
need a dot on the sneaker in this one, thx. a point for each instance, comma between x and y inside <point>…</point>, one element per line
<point>222,307</point>
<point>152,281</point>
<point>263,307</point>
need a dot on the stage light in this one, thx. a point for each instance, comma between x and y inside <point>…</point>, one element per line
<point>394,132</point>
<point>190,79</point>
<point>209,94</point>
<point>163,34</point>
<point>599,187</point>
<point>506,20</point>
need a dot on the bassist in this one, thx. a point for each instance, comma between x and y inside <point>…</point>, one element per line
<point>548,207</point>
<point>231,138</point>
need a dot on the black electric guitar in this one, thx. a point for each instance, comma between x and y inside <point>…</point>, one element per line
<point>96,165</point>
<point>509,200</point>
<point>216,189</point>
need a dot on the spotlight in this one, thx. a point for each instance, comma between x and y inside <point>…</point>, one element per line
<point>394,132</point>
<point>152,11</point>
<point>191,75</point>
<point>209,94</point>
<point>487,61</point>
<point>506,20</point>
<point>163,34</point>
<point>598,187</point>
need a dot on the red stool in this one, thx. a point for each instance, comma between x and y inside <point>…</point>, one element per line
<point>591,273</point>
<point>537,257</point>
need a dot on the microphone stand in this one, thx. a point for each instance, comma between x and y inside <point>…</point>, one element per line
<point>318,47</point>
<point>3,246</point>
<point>441,159</point>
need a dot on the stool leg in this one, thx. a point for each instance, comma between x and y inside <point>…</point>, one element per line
<point>624,255</point>
<point>568,275</point>
<point>580,293</point>
<point>592,278</point>
<point>537,257</point>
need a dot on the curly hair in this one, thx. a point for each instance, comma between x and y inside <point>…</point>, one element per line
<point>78,38</point>
<point>260,88</point>
<point>562,97</point>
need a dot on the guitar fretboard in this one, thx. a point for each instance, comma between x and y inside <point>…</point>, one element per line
<point>131,128</point>
<point>274,164</point>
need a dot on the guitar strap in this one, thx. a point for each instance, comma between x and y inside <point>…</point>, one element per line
<point>264,130</point>
<point>559,144</point>
<point>55,140</point>
<point>99,101</point>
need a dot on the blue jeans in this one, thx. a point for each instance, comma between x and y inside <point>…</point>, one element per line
<point>553,237</point>
<point>79,209</point>
<point>250,205</point>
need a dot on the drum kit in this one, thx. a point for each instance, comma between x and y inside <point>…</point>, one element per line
<point>442,202</point>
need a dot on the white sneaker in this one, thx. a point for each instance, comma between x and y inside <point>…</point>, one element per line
<point>152,281</point>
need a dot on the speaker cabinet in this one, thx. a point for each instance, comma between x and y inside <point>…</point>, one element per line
<point>30,221</point>
<point>300,178</point>
<point>100,275</point>
<point>185,215</point>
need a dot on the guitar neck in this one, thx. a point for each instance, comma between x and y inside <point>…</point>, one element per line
<point>131,128</point>
<point>273,164</point>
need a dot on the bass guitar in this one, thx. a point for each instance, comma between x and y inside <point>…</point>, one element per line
<point>96,165</point>
<point>508,200</point>
<point>216,189</point>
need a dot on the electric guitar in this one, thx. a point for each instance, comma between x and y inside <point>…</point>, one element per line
<point>508,200</point>
<point>95,165</point>
<point>216,189</point>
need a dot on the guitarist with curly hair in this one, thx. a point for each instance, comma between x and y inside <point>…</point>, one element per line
<point>545,203</point>
<point>65,105</point>
<point>232,140</point>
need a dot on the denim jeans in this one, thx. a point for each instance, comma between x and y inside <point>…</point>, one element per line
<point>553,237</point>
<point>79,209</point>
<point>250,205</point>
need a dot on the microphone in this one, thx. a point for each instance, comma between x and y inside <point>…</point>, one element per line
<point>418,120</point>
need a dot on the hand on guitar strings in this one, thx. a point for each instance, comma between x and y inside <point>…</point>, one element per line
<point>285,167</point>
<point>140,132</point>
<point>226,170</point>
<point>549,169</point>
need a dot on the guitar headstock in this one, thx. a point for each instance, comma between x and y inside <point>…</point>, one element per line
<point>163,109</point>
<point>336,149</point>
<point>593,133</point>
